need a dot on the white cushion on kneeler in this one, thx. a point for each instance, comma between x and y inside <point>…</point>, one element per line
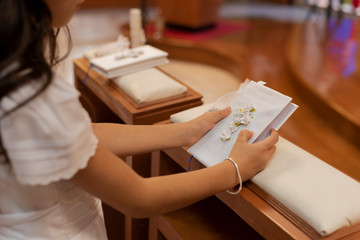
<point>149,85</point>
<point>191,113</point>
<point>321,195</point>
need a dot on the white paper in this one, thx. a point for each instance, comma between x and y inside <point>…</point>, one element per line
<point>129,61</point>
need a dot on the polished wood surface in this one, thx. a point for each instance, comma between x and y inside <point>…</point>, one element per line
<point>260,53</point>
<point>324,58</point>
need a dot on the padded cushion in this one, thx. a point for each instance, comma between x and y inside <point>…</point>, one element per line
<point>191,113</point>
<point>149,85</point>
<point>324,197</point>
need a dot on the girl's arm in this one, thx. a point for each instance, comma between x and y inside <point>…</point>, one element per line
<point>124,139</point>
<point>110,179</point>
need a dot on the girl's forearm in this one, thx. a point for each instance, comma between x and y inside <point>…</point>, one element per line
<point>114,182</point>
<point>134,139</point>
<point>176,191</point>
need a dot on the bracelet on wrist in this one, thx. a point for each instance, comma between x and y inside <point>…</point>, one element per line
<point>238,175</point>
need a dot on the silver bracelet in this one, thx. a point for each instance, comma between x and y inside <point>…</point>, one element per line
<point>238,174</point>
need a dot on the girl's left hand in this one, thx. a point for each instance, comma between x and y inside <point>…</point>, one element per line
<point>201,125</point>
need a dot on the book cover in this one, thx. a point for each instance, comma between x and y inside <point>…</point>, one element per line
<point>129,61</point>
<point>269,109</point>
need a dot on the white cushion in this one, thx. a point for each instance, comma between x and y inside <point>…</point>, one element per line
<point>191,113</point>
<point>149,85</point>
<point>324,197</point>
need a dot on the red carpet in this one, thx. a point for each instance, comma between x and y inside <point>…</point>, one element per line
<point>221,28</point>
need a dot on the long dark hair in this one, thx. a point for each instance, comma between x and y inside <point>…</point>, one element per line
<point>26,31</point>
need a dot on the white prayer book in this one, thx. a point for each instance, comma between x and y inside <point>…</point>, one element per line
<point>129,61</point>
<point>271,109</point>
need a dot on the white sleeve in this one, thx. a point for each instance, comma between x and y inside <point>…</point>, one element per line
<point>49,138</point>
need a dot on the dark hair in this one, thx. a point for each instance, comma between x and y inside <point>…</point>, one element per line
<point>26,31</point>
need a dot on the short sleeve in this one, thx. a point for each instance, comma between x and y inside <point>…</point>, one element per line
<point>50,138</point>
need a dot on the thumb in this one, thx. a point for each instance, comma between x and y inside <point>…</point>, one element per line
<point>217,116</point>
<point>214,117</point>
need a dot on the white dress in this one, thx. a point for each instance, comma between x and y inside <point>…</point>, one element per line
<point>47,140</point>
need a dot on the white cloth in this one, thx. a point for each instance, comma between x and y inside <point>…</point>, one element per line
<point>47,140</point>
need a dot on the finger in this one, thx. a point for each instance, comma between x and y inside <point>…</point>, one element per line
<point>245,135</point>
<point>224,112</point>
<point>271,140</point>
<point>271,151</point>
<point>217,116</point>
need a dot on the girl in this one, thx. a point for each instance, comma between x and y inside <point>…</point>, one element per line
<point>56,166</point>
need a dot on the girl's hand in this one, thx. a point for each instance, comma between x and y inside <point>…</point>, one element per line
<point>197,127</point>
<point>252,158</point>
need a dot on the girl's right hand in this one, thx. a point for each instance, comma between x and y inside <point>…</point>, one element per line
<point>252,158</point>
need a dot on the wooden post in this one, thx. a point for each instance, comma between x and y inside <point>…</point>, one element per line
<point>194,14</point>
